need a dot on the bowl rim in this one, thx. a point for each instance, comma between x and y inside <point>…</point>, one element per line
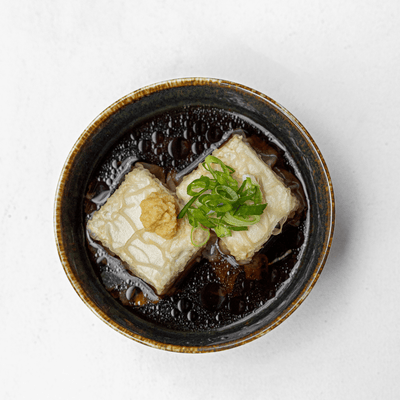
<point>135,96</point>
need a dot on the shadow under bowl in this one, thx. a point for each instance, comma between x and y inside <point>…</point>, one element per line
<point>105,131</point>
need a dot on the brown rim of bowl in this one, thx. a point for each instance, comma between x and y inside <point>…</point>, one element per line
<point>136,96</point>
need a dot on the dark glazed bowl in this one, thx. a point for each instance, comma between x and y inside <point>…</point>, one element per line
<point>100,137</point>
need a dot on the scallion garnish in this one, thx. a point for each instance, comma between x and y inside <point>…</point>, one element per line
<point>196,244</point>
<point>220,204</point>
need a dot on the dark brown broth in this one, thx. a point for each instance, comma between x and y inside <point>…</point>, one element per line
<point>214,293</point>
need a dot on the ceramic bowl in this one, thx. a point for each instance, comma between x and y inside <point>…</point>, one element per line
<point>102,134</point>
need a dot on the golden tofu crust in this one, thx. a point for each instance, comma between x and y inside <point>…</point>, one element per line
<point>281,203</point>
<point>117,225</point>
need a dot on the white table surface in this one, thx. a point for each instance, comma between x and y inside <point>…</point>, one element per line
<point>335,65</point>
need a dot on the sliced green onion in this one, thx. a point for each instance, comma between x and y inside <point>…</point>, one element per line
<point>214,160</point>
<point>242,187</point>
<point>202,218</point>
<point>191,201</point>
<point>202,243</point>
<point>215,203</point>
<point>258,196</point>
<point>224,190</point>
<point>220,203</point>
<point>238,228</point>
<point>240,221</point>
<point>251,210</point>
<point>222,231</point>
<point>192,219</point>
<point>201,183</point>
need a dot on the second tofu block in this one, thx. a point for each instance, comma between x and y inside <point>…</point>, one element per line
<point>118,227</point>
<point>245,161</point>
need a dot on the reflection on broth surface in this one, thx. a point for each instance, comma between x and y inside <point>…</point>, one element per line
<point>216,291</point>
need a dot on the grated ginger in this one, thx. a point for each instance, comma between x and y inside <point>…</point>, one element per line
<point>159,214</point>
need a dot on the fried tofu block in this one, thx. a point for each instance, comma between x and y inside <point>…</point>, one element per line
<point>245,161</point>
<point>117,225</point>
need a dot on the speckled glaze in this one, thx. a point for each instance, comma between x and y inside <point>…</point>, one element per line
<point>142,104</point>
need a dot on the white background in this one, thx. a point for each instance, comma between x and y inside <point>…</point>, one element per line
<point>334,64</point>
